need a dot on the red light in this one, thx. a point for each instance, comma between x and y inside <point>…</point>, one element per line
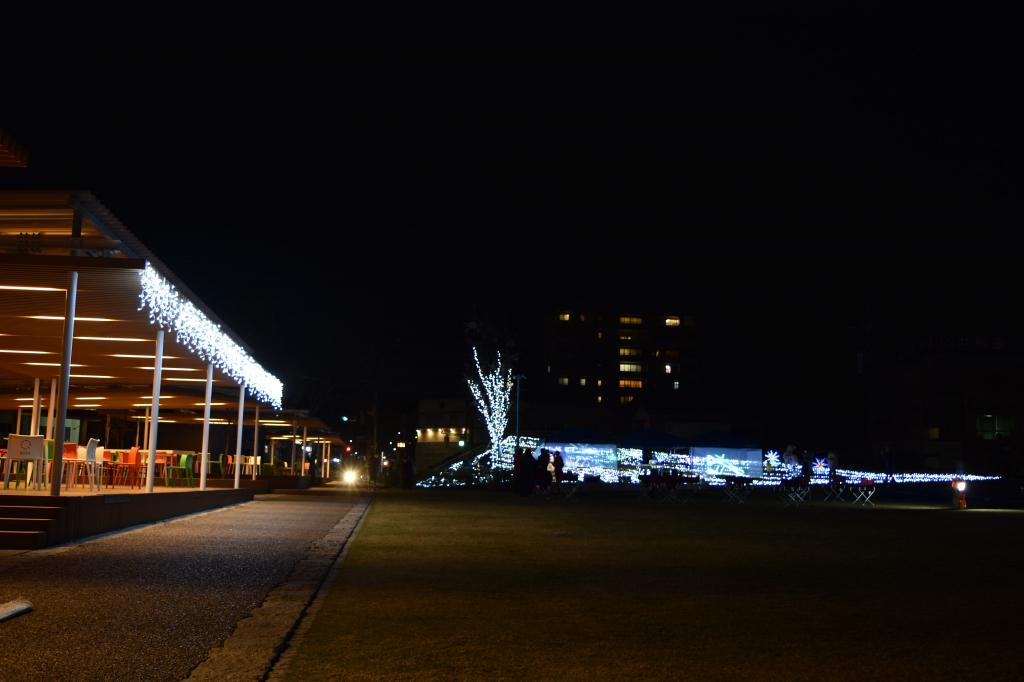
<point>348,448</point>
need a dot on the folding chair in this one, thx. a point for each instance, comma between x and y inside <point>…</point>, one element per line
<point>795,491</point>
<point>864,492</point>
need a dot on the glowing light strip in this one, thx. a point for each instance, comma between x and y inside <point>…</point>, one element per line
<point>630,465</point>
<point>173,312</point>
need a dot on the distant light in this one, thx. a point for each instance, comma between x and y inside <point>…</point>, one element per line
<point>335,460</point>
<point>462,443</point>
<point>961,486</point>
<point>349,477</point>
<point>309,448</point>
<point>344,418</point>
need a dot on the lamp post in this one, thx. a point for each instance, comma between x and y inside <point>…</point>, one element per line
<point>519,378</point>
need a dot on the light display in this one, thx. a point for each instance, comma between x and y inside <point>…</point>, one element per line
<point>588,459</point>
<point>624,465</point>
<point>772,460</point>
<point>172,312</point>
<point>492,399</point>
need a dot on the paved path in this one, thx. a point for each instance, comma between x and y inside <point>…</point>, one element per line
<point>150,604</point>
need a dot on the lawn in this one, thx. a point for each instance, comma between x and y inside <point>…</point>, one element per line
<point>468,585</point>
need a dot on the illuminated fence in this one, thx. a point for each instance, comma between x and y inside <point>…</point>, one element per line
<point>714,466</point>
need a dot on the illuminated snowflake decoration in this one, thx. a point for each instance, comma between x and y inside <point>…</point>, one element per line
<point>771,459</point>
<point>820,465</point>
<point>492,394</point>
<point>172,312</point>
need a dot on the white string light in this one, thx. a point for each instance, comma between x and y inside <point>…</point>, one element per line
<point>172,312</point>
<point>492,399</point>
<point>630,465</point>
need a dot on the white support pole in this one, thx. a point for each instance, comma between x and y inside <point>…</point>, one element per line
<point>302,463</point>
<point>256,442</point>
<point>205,452</point>
<point>50,407</point>
<point>17,421</point>
<point>273,444</point>
<point>65,383</point>
<point>154,412</point>
<point>145,428</point>
<point>138,425</point>
<point>238,443</point>
<point>34,427</point>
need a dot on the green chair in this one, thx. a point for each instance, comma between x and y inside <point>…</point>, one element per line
<point>219,463</point>
<point>182,471</point>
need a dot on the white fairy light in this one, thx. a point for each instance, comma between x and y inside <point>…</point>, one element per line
<point>172,312</point>
<point>492,399</point>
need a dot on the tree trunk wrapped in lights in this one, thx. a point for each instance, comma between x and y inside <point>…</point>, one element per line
<point>492,395</point>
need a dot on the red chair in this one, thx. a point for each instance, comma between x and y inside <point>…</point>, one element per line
<point>127,470</point>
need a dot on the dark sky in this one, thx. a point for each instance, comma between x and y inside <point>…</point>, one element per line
<point>337,207</point>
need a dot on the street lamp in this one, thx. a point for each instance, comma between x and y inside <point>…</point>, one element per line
<point>519,378</point>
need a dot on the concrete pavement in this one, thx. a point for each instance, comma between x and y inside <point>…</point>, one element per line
<point>150,604</point>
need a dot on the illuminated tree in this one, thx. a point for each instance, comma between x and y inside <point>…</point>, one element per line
<point>492,394</point>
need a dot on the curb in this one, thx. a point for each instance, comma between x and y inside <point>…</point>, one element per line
<point>259,639</point>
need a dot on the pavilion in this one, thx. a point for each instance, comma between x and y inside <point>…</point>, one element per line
<point>94,325</point>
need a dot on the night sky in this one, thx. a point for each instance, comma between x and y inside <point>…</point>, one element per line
<point>350,211</point>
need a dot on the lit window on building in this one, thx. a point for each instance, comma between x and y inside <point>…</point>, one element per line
<point>583,318</point>
<point>675,385</point>
<point>563,381</point>
<point>668,369</point>
<point>600,335</point>
<point>629,352</point>
<point>564,317</point>
<point>583,381</point>
<point>630,367</point>
<point>994,427</point>
<point>549,369</point>
<point>631,383</point>
<point>626,399</point>
<point>672,321</point>
<point>625,337</point>
<point>630,320</point>
<point>599,382</point>
<point>600,399</point>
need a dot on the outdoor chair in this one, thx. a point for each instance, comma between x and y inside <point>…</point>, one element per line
<point>86,465</point>
<point>21,452</point>
<point>795,491</point>
<point>219,463</point>
<point>864,492</point>
<point>182,471</point>
<point>127,470</point>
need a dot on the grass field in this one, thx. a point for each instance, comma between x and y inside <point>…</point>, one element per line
<point>466,585</point>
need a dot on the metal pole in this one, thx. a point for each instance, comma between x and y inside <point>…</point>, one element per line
<point>17,420</point>
<point>65,384</point>
<point>138,425</point>
<point>205,452</point>
<point>51,407</point>
<point>293,449</point>
<point>145,427</point>
<point>238,442</point>
<point>34,428</point>
<point>302,467</point>
<point>519,380</point>
<point>154,411</point>
<point>255,441</point>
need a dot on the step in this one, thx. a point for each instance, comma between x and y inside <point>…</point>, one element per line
<point>29,512</point>
<point>21,523</point>
<point>22,539</point>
